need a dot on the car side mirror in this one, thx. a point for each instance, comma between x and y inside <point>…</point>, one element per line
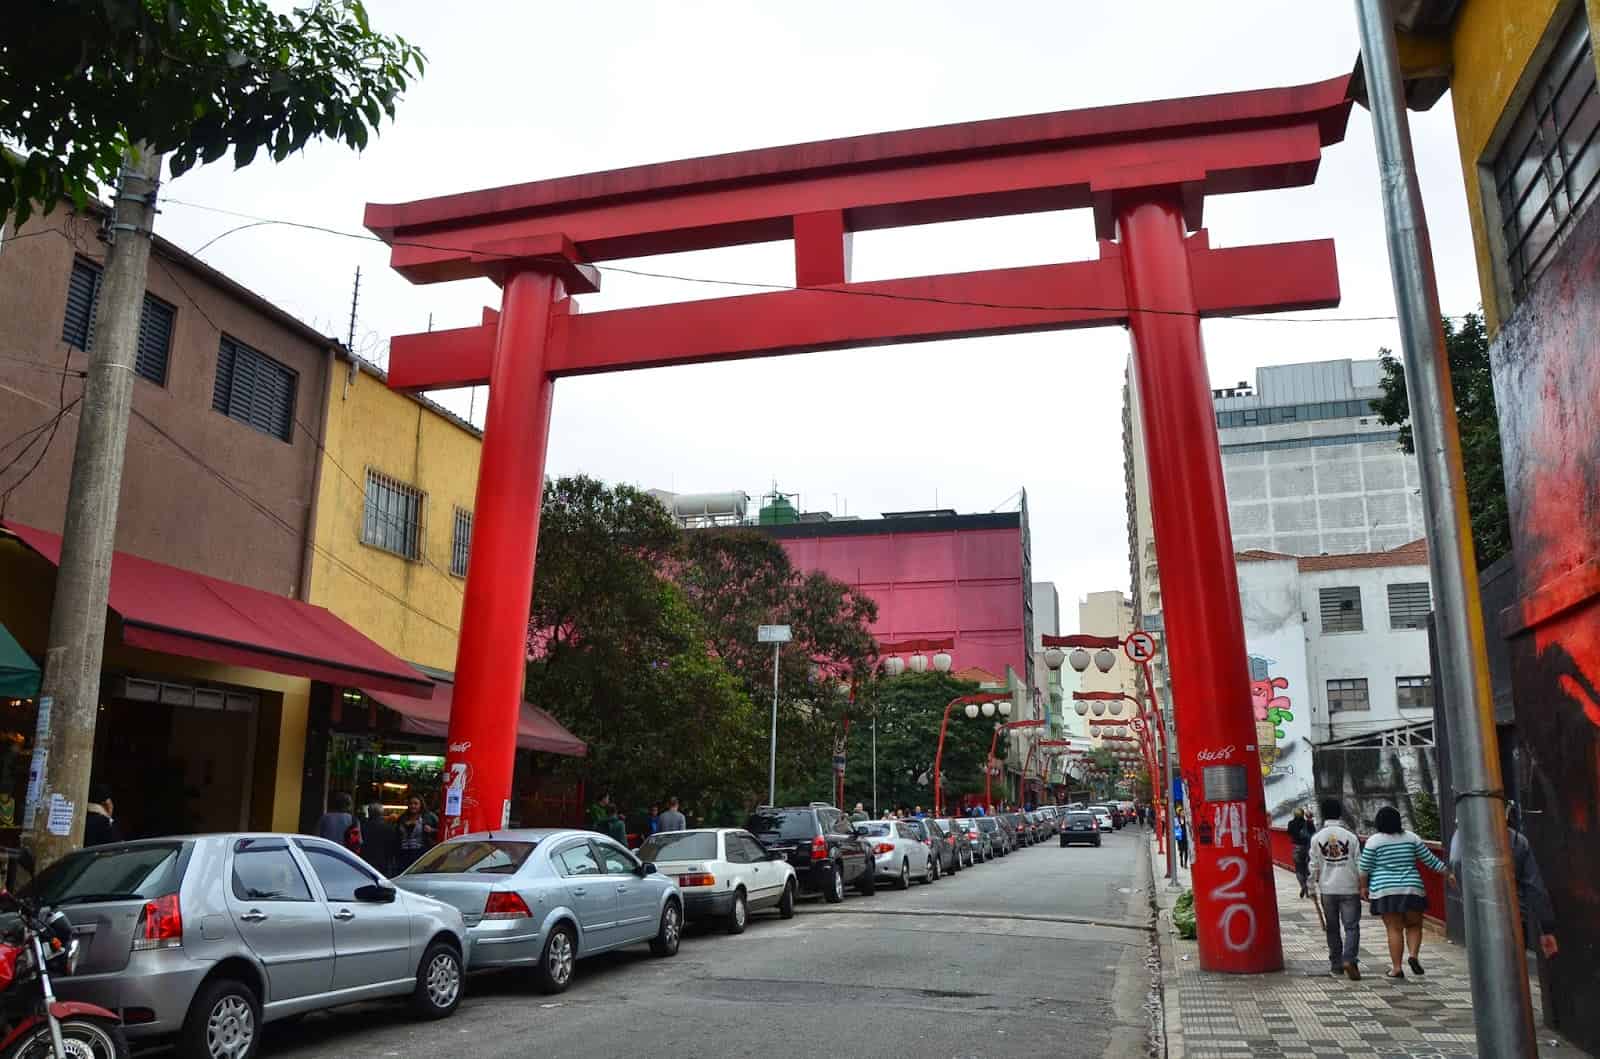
<point>647,868</point>
<point>375,893</point>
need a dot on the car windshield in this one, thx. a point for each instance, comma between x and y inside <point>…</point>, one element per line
<point>769,824</point>
<point>987,824</point>
<point>491,856</point>
<point>122,873</point>
<point>680,845</point>
<point>875,828</point>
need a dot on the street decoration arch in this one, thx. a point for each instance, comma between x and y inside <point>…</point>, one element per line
<point>1144,169</point>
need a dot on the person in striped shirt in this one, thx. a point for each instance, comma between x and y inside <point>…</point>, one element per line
<point>1391,881</point>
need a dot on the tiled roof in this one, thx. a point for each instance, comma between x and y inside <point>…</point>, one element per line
<point>977,675</point>
<point>1413,554</point>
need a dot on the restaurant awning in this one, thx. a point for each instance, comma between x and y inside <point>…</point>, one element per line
<point>430,715</point>
<point>179,612</point>
<point>19,677</point>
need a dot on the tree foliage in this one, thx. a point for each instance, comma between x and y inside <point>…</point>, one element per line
<point>909,709</point>
<point>85,80</point>
<point>1467,349</point>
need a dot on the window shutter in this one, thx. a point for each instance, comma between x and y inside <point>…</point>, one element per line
<point>77,328</point>
<point>1341,609</point>
<point>155,340</point>
<point>254,389</point>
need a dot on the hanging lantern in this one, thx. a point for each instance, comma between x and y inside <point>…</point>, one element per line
<point>1004,706</point>
<point>1078,659</point>
<point>971,710</point>
<point>1081,707</point>
<point>1054,656</point>
<point>941,662</point>
<point>919,663</point>
<point>988,709</point>
<point>1104,660</point>
<point>894,666</point>
<point>1116,707</point>
<point>1099,709</point>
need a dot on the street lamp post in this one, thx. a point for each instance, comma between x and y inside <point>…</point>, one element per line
<point>777,636</point>
<point>987,702</point>
<point>894,665</point>
<point>990,764</point>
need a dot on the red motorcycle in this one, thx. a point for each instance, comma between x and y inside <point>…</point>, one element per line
<point>33,1023</point>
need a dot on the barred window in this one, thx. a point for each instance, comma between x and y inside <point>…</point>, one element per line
<point>392,519</point>
<point>1409,605</point>
<point>1347,695</point>
<point>254,389</point>
<point>1341,609</point>
<point>1414,693</point>
<point>155,322</point>
<point>1545,173</point>
<point>460,542</point>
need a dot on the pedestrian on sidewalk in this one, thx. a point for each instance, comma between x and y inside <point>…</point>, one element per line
<point>339,823</point>
<point>99,823</point>
<point>1180,836</point>
<point>413,835</point>
<point>1533,898</point>
<point>858,814</point>
<point>1390,879</point>
<point>1300,831</point>
<point>672,819</point>
<point>379,841</point>
<point>1337,885</point>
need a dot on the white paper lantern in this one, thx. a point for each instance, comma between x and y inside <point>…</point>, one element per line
<point>988,709</point>
<point>1104,660</point>
<point>941,662</point>
<point>1116,707</point>
<point>1099,709</point>
<point>919,663</point>
<point>972,710</point>
<point>1081,706</point>
<point>1054,656</point>
<point>1005,707</point>
<point>894,666</point>
<point>1078,659</point>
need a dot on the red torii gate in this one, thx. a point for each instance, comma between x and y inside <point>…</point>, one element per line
<point>1144,169</point>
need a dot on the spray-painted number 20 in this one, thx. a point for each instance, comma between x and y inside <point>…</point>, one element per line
<point>1232,891</point>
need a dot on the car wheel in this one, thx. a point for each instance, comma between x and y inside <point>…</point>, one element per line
<point>740,914</point>
<point>833,890</point>
<point>931,876</point>
<point>1063,842</point>
<point>438,990</point>
<point>786,903</point>
<point>556,962</point>
<point>869,881</point>
<point>1097,843</point>
<point>224,1022</point>
<point>904,880</point>
<point>665,943</point>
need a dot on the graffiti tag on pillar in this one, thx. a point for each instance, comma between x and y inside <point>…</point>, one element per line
<point>1237,922</point>
<point>1228,823</point>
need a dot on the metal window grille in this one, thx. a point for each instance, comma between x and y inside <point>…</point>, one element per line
<point>1341,609</point>
<point>1347,695</point>
<point>392,519</point>
<point>1409,605</point>
<point>254,389</point>
<point>1545,174</point>
<point>461,542</point>
<point>1414,693</point>
<point>1294,413</point>
<point>155,322</point>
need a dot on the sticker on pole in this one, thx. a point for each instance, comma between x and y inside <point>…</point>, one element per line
<point>838,762</point>
<point>1140,647</point>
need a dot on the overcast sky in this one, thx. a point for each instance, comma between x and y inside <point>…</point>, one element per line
<point>518,91</point>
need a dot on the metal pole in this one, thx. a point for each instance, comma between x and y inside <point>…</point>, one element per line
<point>772,757</point>
<point>874,762</point>
<point>1503,1011</point>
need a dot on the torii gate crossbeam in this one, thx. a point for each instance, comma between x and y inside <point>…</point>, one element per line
<point>1144,169</point>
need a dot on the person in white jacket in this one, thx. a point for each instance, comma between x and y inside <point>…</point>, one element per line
<point>1336,883</point>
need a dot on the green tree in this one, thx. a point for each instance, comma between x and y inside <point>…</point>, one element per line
<point>87,80</point>
<point>909,709</point>
<point>621,657</point>
<point>1467,349</point>
<point>1104,771</point>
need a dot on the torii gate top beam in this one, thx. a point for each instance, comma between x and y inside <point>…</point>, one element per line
<point>1217,144</point>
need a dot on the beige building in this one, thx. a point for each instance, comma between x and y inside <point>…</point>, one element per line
<point>1109,614</point>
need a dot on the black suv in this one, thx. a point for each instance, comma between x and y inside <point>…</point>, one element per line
<point>821,844</point>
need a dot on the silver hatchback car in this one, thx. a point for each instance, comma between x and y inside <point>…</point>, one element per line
<point>543,897</point>
<point>205,938</point>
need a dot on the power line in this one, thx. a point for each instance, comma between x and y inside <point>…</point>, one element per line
<point>55,425</point>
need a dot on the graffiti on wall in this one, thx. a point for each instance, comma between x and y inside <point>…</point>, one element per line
<point>1272,710</point>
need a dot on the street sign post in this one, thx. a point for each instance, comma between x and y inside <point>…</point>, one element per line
<point>773,634</point>
<point>1140,647</point>
<point>777,636</point>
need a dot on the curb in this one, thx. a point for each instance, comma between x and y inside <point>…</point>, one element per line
<point>1170,1029</point>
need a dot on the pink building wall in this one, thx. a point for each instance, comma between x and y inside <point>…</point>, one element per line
<point>961,583</point>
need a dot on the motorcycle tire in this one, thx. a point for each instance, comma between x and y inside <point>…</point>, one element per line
<point>85,1037</point>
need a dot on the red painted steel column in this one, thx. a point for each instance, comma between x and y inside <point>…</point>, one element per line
<point>492,654</point>
<point>1235,897</point>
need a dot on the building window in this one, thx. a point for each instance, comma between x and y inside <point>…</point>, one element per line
<point>155,322</point>
<point>1545,173</point>
<point>1347,695</point>
<point>393,516</point>
<point>460,542</point>
<point>1341,610</point>
<point>1409,605</point>
<point>254,389</point>
<point>1414,693</point>
<point>1375,437</point>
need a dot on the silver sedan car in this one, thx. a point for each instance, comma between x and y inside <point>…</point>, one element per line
<point>204,938</point>
<point>543,898</point>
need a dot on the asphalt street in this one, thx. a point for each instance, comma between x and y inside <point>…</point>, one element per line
<point>1043,952</point>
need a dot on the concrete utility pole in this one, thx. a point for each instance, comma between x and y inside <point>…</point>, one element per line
<point>58,785</point>
<point>1503,1011</point>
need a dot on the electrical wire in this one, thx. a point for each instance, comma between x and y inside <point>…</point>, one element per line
<point>55,425</point>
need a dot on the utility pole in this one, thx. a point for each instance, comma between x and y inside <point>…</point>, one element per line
<point>1503,1010</point>
<point>777,636</point>
<point>69,697</point>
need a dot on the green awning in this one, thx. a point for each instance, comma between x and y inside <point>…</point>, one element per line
<point>19,677</point>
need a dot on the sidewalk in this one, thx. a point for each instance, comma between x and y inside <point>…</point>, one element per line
<point>1302,1010</point>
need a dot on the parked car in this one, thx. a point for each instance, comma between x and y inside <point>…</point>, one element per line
<point>1040,825</point>
<point>956,832</point>
<point>1080,826</point>
<point>1011,824</point>
<point>204,939</point>
<point>999,837</point>
<point>821,845</point>
<point>724,874</point>
<point>544,898</point>
<point>898,852</point>
<point>941,846</point>
<point>1102,815</point>
<point>980,841</point>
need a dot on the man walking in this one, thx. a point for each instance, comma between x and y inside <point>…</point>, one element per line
<point>1337,884</point>
<point>858,814</point>
<point>1300,831</point>
<point>672,819</point>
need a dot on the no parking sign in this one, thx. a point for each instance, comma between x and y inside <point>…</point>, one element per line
<point>1140,647</point>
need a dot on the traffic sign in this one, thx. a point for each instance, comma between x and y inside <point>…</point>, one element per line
<point>773,634</point>
<point>838,762</point>
<point>1139,647</point>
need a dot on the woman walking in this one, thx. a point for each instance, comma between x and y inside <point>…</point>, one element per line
<point>1180,837</point>
<point>1391,881</point>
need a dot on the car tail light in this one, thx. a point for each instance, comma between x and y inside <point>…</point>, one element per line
<point>819,848</point>
<point>883,847</point>
<point>505,904</point>
<point>160,925</point>
<point>702,879</point>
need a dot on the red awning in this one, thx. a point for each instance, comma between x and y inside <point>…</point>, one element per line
<point>179,612</point>
<point>536,730</point>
